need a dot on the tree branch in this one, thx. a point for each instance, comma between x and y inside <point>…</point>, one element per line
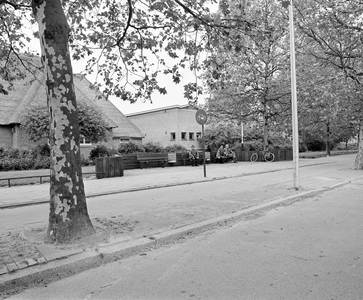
<point>14,5</point>
<point>128,24</point>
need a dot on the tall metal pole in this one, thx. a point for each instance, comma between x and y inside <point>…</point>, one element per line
<point>295,131</point>
<point>204,168</point>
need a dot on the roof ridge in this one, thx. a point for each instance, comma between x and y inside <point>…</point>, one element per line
<point>176,106</point>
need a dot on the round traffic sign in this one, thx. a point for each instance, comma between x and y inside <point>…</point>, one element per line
<point>201,116</point>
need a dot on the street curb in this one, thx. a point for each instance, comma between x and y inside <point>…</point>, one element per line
<point>44,201</point>
<point>73,264</point>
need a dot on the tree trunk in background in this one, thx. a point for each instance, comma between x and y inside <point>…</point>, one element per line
<point>68,217</point>
<point>304,140</point>
<point>265,132</point>
<point>358,165</point>
<point>327,143</point>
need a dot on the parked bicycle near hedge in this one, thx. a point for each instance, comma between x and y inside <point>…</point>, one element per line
<point>267,156</point>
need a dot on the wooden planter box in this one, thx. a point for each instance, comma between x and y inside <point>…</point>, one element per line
<point>109,167</point>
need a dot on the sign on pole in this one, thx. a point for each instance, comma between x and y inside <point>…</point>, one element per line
<point>201,117</point>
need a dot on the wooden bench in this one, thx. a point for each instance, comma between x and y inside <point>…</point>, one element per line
<point>152,158</point>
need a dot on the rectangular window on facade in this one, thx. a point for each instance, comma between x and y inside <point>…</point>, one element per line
<point>124,140</point>
<point>199,135</point>
<point>184,136</point>
<point>172,136</point>
<point>191,136</point>
<point>84,141</point>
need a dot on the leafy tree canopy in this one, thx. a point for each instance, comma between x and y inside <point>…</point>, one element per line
<point>128,43</point>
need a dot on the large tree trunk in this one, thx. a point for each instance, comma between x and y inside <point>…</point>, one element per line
<point>68,215</point>
<point>358,165</point>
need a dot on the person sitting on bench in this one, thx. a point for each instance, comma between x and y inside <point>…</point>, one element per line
<point>230,154</point>
<point>220,156</point>
<point>194,156</point>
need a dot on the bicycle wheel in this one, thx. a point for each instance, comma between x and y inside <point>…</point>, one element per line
<point>254,157</point>
<point>269,157</point>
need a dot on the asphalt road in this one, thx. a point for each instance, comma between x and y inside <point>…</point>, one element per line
<point>309,250</point>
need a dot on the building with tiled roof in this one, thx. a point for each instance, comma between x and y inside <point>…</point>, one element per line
<point>14,106</point>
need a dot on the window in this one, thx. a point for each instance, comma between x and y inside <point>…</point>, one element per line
<point>84,141</point>
<point>199,135</point>
<point>124,140</point>
<point>191,136</point>
<point>184,136</point>
<point>172,136</point>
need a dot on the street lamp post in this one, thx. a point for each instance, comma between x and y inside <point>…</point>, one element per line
<point>295,131</point>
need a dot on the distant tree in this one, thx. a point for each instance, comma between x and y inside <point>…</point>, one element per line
<point>324,101</point>
<point>92,124</point>
<point>224,133</point>
<point>248,75</point>
<point>335,28</point>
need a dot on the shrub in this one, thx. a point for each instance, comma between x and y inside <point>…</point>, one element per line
<point>283,146</point>
<point>113,151</point>
<point>6,164</point>
<point>253,145</point>
<point>11,163</point>
<point>42,162</point>
<point>43,150</point>
<point>153,148</point>
<point>26,162</point>
<point>175,148</point>
<point>12,153</point>
<point>346,146</point>
<point>86,161</point>
<point>130,147</point>
<point>316,145</point>
<point>99,151</point>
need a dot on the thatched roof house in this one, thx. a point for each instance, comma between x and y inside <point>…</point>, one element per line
<point>14,105</point>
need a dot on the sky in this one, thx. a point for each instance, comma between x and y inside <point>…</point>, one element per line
<point>174,96</point>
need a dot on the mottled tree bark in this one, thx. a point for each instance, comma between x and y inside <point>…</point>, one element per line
<point>358,165</point>
<point>68,215</point>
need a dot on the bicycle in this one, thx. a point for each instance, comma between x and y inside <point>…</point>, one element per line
<point>267,156</point>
